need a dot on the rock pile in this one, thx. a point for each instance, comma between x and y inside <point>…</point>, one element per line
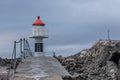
<point>100,62</point>
<point>6,62</point>
<point>5,65</point>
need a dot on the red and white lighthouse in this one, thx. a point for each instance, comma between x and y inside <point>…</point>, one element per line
<point>39,33</point>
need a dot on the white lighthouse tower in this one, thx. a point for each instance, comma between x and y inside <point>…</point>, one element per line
<point>39,33</point>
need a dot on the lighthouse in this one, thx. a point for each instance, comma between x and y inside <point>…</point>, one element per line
<point>38,34</point>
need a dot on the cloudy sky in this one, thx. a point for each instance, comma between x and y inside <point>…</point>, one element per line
<point>72,25</point>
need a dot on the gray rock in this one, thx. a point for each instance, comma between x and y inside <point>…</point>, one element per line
<point>100,62</point>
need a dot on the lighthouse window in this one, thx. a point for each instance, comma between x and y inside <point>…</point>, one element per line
<point>38,47</point>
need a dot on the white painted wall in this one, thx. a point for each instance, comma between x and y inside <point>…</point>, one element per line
<point>39,31</point>
<point>38,40</point>
<point>36,54</point>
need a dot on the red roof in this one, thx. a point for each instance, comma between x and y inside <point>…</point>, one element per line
<point>39,22</point>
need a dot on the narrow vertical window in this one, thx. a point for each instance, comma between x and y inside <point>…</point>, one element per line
<point>38,47</point>
<point>35,47</point>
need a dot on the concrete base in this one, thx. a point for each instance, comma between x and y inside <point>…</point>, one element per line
<point>40,68</point>
<point>42,78</point>
<point>36,54</point>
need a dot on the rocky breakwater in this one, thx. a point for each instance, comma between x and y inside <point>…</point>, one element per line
<point>100,62</point>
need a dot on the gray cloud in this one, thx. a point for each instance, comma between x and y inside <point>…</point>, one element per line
<point>68,22</point>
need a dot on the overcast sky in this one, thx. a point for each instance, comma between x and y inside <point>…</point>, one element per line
<point>72,25</point>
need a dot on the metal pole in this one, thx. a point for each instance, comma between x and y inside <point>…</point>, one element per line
<point>14,56</point>
<point>21,48</point>
<point>24,48</point>
<point>15,50</point>
<point>108,34</point>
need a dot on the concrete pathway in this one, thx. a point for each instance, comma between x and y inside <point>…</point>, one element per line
<point>39,68</point>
